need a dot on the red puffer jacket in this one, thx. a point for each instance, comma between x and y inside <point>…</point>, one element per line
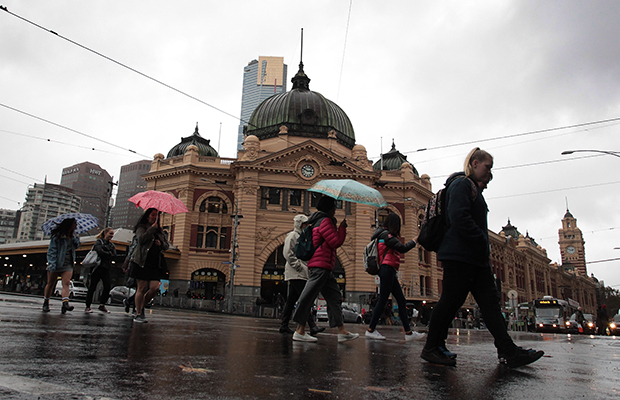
<point>393,246</point>
<point>326,239</point>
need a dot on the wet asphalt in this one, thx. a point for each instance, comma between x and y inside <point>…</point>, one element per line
<point>181,354</point>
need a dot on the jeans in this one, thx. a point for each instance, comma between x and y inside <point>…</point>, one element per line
<point>389,285</point>
<point>103,274</point>
<point>295,288</point>
<point>323,281</point>
<point>458,280</point>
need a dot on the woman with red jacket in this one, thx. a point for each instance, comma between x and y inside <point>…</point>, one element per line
<point>326,239</point>
<point>390,248</point>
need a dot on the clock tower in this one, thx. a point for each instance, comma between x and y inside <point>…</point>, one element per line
<point>572,246</point>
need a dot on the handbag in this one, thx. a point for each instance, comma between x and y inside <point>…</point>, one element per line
<point>91,260</point>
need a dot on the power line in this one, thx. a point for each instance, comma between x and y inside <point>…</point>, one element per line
<point>514,135</point>
<point>344,49</point>
<point>600,261</point>
<point>553,190</point>
<point>25,176</point>
<point>72,130</point>
<point>66,144</point>
<point>13,179</point>
<point>125,66</point>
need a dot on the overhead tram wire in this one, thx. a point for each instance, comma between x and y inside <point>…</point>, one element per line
<point>513,135</point>
<point>124,65</point>
<point>73,130</point>
<point>20,174</point>
<point>67,144</point>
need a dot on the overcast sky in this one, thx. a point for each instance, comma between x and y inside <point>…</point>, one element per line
<point>440,75</point>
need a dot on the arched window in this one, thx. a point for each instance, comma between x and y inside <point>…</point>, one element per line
<point>214,224</point>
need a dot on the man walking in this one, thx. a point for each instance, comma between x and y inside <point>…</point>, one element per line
<point>464,254</point>
<point>296,274</point>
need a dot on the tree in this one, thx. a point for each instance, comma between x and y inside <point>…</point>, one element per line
<point>611,299</point>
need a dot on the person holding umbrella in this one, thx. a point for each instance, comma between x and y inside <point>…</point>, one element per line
<point>60,260</point>
<point>146,260</point>
<point>326,238</point>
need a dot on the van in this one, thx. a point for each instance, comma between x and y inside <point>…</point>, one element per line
<point>76,289</point>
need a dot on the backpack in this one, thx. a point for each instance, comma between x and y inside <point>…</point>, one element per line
<point>434,225</point>
<point>304,248</point>
<point>371,253</point>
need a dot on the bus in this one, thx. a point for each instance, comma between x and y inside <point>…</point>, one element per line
<point>551,314</point>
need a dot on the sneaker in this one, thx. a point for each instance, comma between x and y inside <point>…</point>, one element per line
<point>347,336</point>
<point>286,329</point>
<point>66,307</point>
<point>304,338</point>
<point>46,306</point>
<point>88,310</point>
<point>126,304</point>
<point>415,336</point>
<point>520,357</point>
<point>103,309</point>
<point>447,352</point>
<point>140,318</point>
<point>435,356</point>
<point>374,335</point>
<point>316,331</point>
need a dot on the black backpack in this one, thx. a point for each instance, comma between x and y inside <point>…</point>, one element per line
<point>434,225</point>
<point>304,248</point>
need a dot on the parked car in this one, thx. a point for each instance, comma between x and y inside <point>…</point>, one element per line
<point>589,325</point>
<point>348,314</point>
<point>76,289</point>
<point>120,293</point>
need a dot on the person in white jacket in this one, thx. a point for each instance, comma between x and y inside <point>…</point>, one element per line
<point>296,274</point>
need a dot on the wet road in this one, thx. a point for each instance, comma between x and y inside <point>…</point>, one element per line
<point>196,355</point>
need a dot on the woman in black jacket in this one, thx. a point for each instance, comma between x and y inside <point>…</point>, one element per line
<point>106,251</point>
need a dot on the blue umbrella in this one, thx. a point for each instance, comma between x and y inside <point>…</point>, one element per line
<point>349,190</point>
<point>85,222</point>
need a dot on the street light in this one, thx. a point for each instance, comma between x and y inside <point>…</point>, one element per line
<point>611,153</point>
<point>236,217</point>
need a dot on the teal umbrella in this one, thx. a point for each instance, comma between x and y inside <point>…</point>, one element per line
<point>349,190</point>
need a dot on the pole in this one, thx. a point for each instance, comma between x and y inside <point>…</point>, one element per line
<point>234,258</point>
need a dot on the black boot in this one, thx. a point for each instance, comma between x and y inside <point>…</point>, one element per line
<point>66,307</point>
<point>46,306</point>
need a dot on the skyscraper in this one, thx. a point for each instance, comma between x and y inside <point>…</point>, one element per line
<point>125,214</point>
<point>44,201</point>
<point>262,78</point>
<point>92,183</point>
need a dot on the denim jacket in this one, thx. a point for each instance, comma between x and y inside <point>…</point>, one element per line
<point>57,250</point>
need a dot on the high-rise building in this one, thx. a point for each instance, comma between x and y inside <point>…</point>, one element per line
<point>92,183</point>
<point>125,214</point>
<point>45,201</point>
<point>262,78</point>
<point>9,223</point>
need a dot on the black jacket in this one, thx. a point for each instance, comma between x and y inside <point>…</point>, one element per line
<point>106,252</point>
<point>467,238</point>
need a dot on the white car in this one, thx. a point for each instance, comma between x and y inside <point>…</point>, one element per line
<point>76,289</point>
<point>348,314</point>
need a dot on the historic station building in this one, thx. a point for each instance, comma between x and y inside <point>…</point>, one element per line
<point>241,209</point>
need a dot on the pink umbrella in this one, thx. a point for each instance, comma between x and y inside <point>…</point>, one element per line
<point>164,202</point>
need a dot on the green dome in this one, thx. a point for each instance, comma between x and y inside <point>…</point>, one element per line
<point>204,149</point>
<point>304,112</point>
<point>393,160</point>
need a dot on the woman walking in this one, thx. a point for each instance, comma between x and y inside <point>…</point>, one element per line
<point>146,260</point>
<point>106,251</point>
<point>390,249</point>
<point>60,260</point>
<point>326,239</point>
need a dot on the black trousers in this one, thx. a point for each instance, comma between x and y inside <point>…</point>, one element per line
<point>458,280</point>
<point>295,287</point>
<point>99,274</point>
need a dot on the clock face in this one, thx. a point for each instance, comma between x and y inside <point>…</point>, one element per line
<point>307,171</point>
<point>570,250</point>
